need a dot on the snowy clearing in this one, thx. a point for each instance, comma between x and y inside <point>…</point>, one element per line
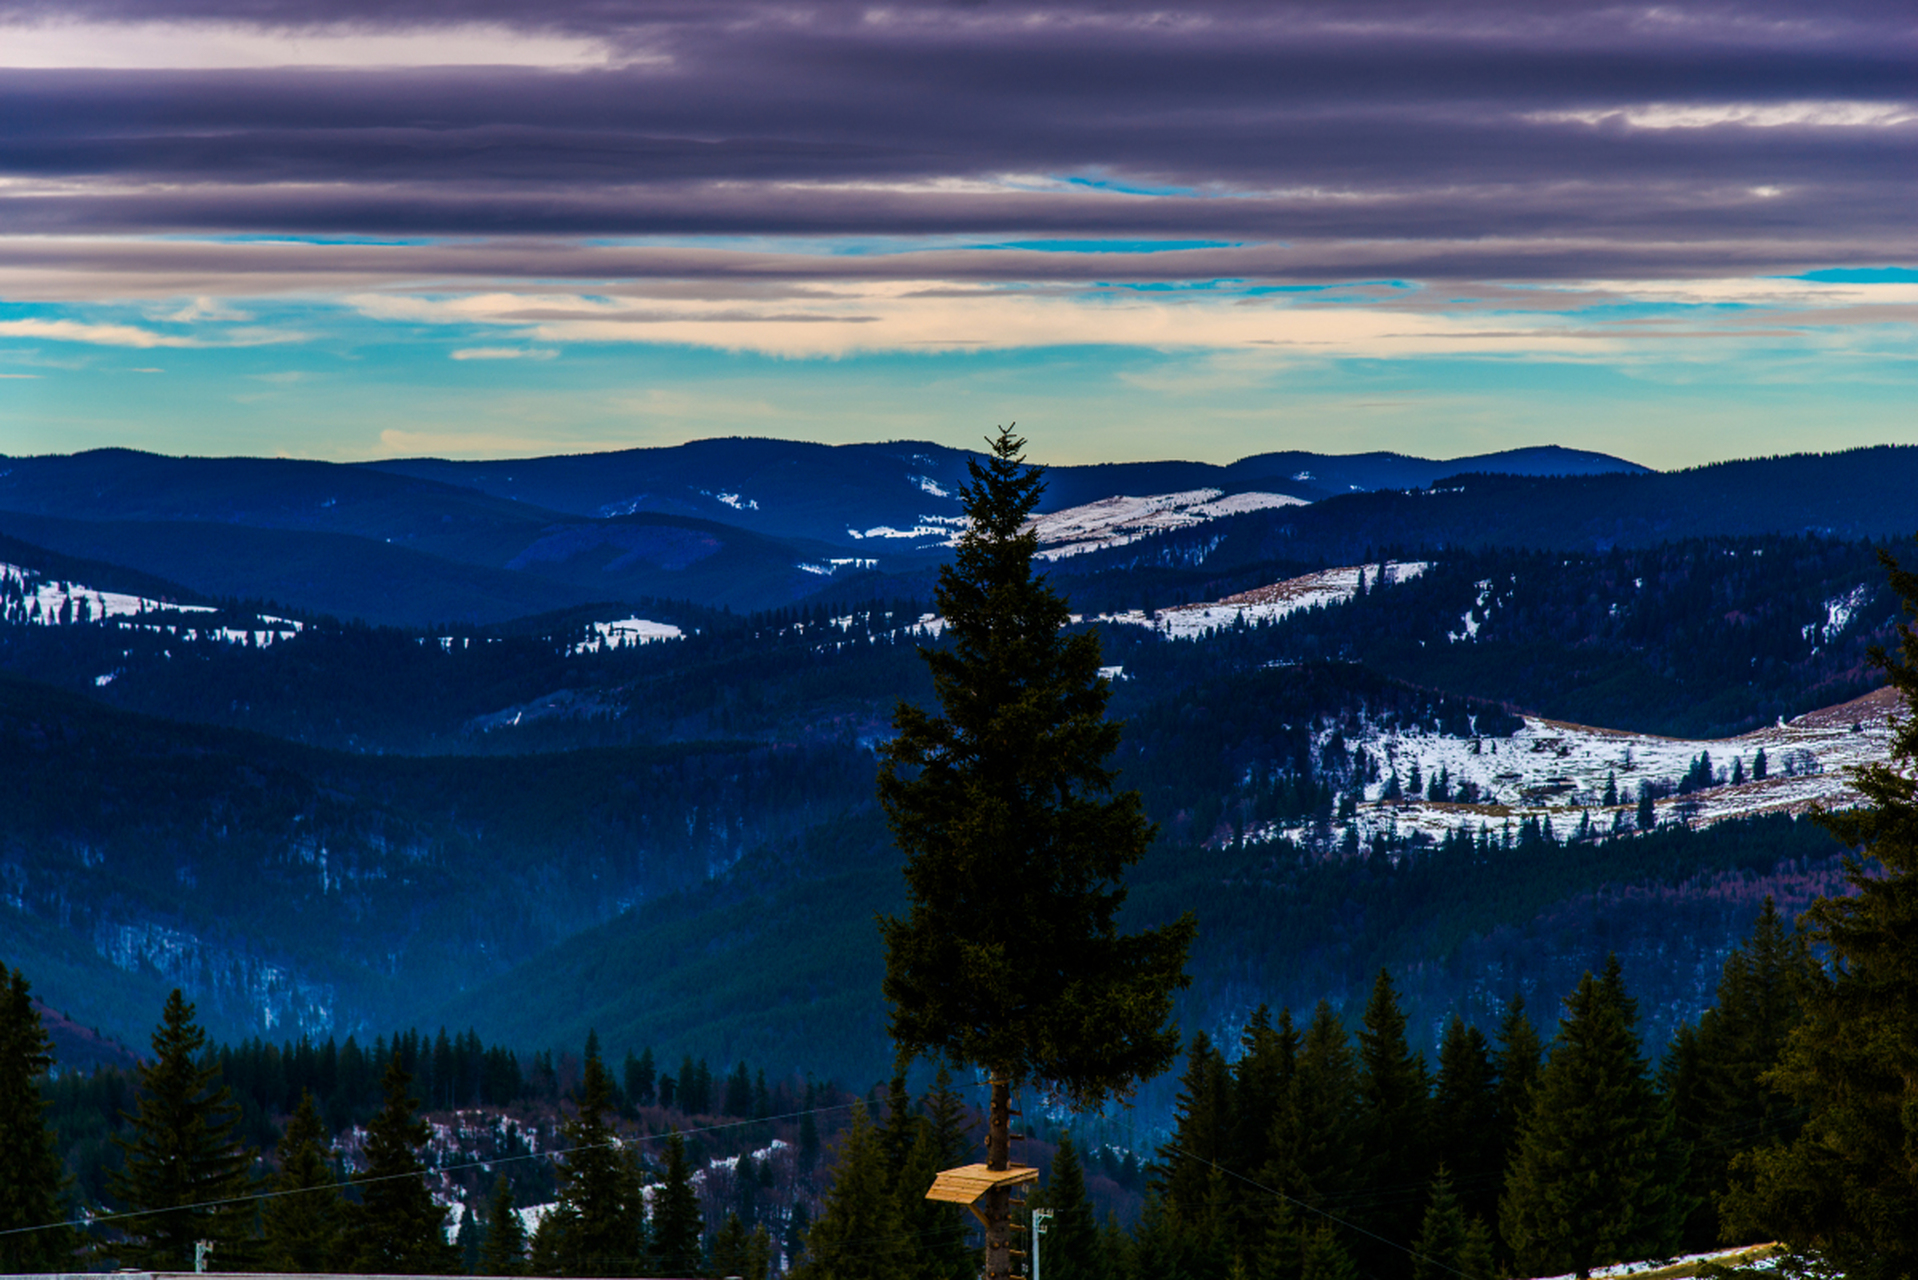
<point>627,633</point>
<point>1270,603</point>
<point>1759,1256</point>
<point>1559,773</point>
<point>1113,522</point>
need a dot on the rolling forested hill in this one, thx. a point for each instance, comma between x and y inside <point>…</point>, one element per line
<point>529,822</point>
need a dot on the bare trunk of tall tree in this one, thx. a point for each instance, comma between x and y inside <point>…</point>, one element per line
<point>998,1201</point>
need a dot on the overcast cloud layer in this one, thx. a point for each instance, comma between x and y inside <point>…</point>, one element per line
<point>1564,180</point>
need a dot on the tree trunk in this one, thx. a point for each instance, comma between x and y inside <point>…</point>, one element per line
<point>997,1203</point>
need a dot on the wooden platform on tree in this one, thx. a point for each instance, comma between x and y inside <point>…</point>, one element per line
<point>967,1183</point>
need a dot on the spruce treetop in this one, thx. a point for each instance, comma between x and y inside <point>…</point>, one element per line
<point>1009,957</point>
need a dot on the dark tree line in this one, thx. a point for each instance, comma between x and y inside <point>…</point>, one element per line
<point>175,1155</point>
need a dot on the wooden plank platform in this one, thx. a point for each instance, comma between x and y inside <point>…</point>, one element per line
<point>967,1183</point>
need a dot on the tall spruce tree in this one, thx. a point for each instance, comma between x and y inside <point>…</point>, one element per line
<point>1450,1241</point>
<point>1072,1244</point>
<point>1314,1142</point>
<point>860,1234</point>
<point>397,1228</point>
<point>184,1174</point>
<point>678,1226</point>
<point>32,1184</point>
<point>599,1189</point>
<point>302,1221</point>
<point>1200,1144</point>
<point>1010,958</point>
<point>504,1253</point>
<point>1715,1075</point>
<point>1262,1079</point>
<point>1518,1058</point>
<point>1847,1186</point>
<point>1465,1124</point>
<point>1394,1134</point>
<point>1595,1177</point>
<point>945,1229</point>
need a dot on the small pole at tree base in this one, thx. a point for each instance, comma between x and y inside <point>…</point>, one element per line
<point>202,1250</point>
<point>1041,1219</point>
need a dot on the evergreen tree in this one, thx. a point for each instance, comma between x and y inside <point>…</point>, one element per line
<point>860,1234</point>
<point>1072,1241</point>
<point>184,1173</point>
<point>398,1229</point>
<point>1393,1130</point>
<point>1715,1076</point>
<point>1010,957</point>
<point>639,1078</point>
<point>943,1228</point>
<point>759,1254</point>
<point>504,1253</point>
<point>1465,1118</point>
<point>1518,1059</point>
<point>1315,1136</point>
<point>1325,1257</point>
<point>1201,1138</point>
<point>599,1191</point>
<point>730,1248</point>
<point>302,1222</point>
<point>1593,1180</point>
<point>1450,1243</point>
<point>1847,1186</point>
<point>1261,1081</point>
<point>902,1126</point>
<point>677,1223</point>
<point>32,1184</point>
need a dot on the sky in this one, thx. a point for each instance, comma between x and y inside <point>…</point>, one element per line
<point>344,229</point>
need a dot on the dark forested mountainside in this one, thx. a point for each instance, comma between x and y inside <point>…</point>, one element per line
<point>775,959</point>
<point>295,887</point>
<point>796,489</point>
<point>1860,493</point>
<point>1703,638</point>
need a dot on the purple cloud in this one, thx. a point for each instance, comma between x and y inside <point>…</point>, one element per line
<point>1465,140</point>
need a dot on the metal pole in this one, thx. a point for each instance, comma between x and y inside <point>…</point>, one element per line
<point>1041,1219</point>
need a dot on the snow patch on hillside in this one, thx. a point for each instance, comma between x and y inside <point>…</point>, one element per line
<point>29,598</point>
<point>627,633</point>
<point>26,596</point>
<point>1270,603</point>
<point>1557,772</point>
<point>944,529</point>
<point>1115,521</point>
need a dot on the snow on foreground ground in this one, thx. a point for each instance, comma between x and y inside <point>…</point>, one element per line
<point>1113,522</point>
<point>1760,1257</point>
<point>1558,772</point>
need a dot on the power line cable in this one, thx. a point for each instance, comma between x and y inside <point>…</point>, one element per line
<point>253,1197</point>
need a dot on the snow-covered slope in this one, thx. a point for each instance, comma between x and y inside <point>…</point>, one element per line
<point>1270,603</point>
<point>1558,772</point>
<point>1115,521</point>
<point>627,633</point>
<point>29,598</point>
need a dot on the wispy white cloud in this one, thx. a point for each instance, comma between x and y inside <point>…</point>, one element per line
<point>504,353</point>
<point>105,335</point>
<point>207,46</point>
<point>1751,115</point>
<point>205,308</point>
<point>1609,320</point>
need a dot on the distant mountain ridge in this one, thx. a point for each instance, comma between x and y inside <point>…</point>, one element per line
<point>796,489</point>
<point>736,523</point>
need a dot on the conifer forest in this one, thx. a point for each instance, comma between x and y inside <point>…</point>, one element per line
<point>1299,892</point>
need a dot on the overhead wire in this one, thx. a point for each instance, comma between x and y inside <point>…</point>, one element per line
<point>252,1197</point>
